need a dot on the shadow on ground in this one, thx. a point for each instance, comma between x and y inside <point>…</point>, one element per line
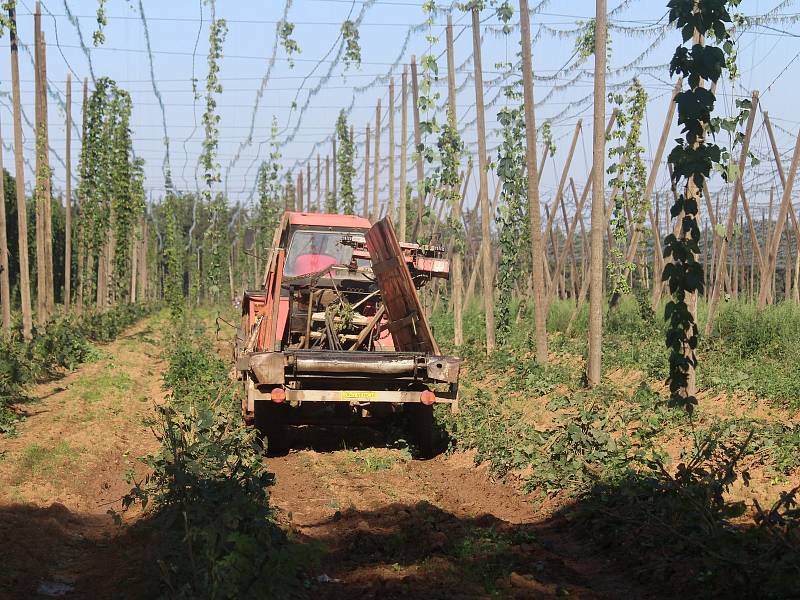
<point>52,551</point>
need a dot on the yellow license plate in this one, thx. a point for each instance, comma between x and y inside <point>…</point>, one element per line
<point>351,396</point>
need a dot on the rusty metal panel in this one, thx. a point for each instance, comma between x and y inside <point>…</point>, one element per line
<point>268,367</point>
<point>407,320</point>
<point>444,368</point>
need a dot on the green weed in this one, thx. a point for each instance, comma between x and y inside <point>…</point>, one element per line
<point>41,461</point>
<point>372,460</point>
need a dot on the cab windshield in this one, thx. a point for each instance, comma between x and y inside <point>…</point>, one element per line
<point>314,251</point>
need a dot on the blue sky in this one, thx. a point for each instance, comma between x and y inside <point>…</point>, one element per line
<point>640,46</point>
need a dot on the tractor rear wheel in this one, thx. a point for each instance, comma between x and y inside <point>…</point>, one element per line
<point>270,420</point>
<point>424,430</point>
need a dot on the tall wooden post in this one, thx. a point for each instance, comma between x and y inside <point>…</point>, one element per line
<point>560,256</point>
<point>327,183</point>
<point>777,156</point>
<point>19,171</point>
<point>134,263</point>
<point>483,194</point>
<point>68,200</point>
<point>403,153</point>
<point>365,209</point>
<point>143,261</point>
<point>596,272</point>
<point>5,283</point>
<point>299,192</point>
<point>376,167</point>
<point>81,249</point>
<point>786,206</point>
<point>47,196</point>
<point>319,184</point>
<point>38,195</point>
<point>308,187</point>
<point>457,282</point>
<point>390,207</point>
<point>334,161</point>
<point>417,142</point>
<point>731,222</point>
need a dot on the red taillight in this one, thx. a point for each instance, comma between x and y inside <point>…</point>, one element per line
<point>278,395</point>
<point>427,397</point>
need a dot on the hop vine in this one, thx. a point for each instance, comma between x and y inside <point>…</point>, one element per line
<point>218,30</point>
<point>99,36</point>
<point>344,158</point>
<point>269,189</point>
<point>352,51</point>
<point>692,160</point>
<point>289,44</point>
<point>512,215</point>
<point>629,175</point>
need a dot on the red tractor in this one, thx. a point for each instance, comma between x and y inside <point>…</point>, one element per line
<point>337,330</point>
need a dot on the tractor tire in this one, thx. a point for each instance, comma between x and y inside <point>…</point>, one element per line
<point>270,420</point>
<point>424,430</point>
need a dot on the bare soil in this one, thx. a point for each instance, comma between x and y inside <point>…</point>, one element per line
<point>67,467</point>
<point>386,525</point>
<point>392,527</point>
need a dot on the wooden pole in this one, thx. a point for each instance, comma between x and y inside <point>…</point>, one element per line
<point>68,199</point>
<point>580,204</point>
<point>19,171</point>
<point>327,183</point>
<point>376,167</point>
<point>5,283</point>
<point>308,187</point>
<point>594,363</point>
<point>559,197</point>
<point>366,175</point>
<point>48,205</point>
<point>787,271</point>
<point>457,281</point>
<point>483,193</point>
<point>403,153</point>
<point>319,184</point>
<point>142,287</point>
<point>41,261</point>
<point>723,245</point>
<point>299,194</point>
<point>786,207</point>
<point>81,249</point>
<point>334,161</point>
<point>390,208</point>
<point>777,156</point>
<point>417,142</point>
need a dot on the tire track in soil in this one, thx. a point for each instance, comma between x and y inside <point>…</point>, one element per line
<point>431,529</point>
<point>66,468</point>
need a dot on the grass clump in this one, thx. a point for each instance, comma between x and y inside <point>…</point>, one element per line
<point>37,461</point>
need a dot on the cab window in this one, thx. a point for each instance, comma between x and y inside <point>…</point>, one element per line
<point>314,251</point>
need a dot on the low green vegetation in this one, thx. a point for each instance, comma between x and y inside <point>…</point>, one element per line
<point>44,461</point>
<point>371,460</point>
<point>635,472</point>
<point>62,344</point>
<point>207,491</point>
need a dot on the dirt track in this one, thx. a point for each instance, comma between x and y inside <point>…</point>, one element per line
<point>66,468</point>
<point>392,527</point>
<point>387,526</point>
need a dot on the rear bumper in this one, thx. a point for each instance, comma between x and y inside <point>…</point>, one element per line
<point>278,368</point>
<point>357,397</point>
<point>355,378</point>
